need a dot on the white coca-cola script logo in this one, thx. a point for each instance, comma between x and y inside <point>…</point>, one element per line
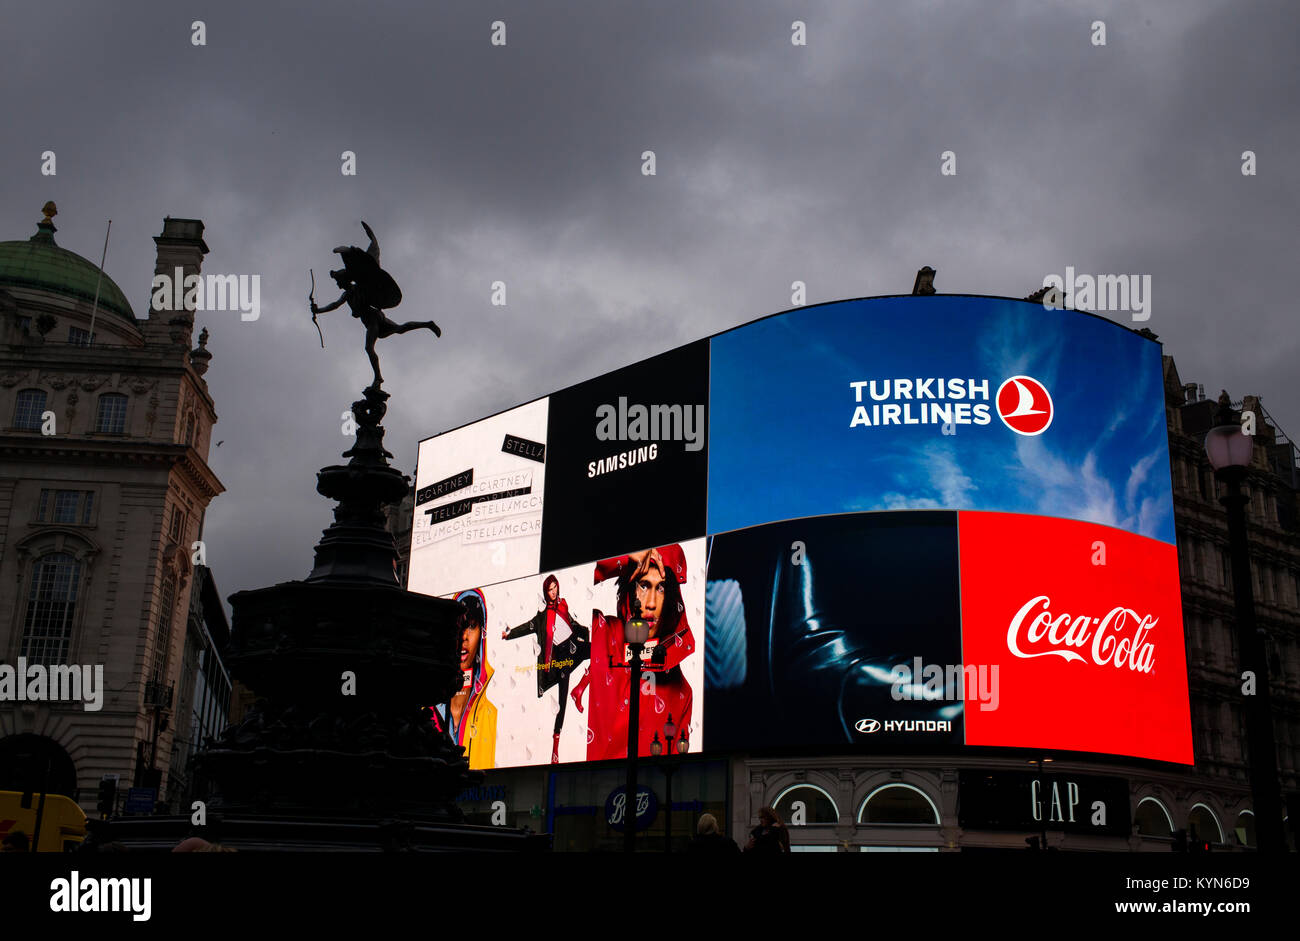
<point>1110,643</point>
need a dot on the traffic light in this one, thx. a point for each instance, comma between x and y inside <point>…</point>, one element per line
<point>1180,841</point>
<point>107,794</point>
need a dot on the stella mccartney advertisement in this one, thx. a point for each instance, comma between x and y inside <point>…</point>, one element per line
<point>937,521</point>
<point>478,502</point>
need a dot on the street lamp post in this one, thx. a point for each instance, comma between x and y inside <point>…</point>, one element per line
<point>670,734</point>
<point>635,632</point>
<point>1230,452</point>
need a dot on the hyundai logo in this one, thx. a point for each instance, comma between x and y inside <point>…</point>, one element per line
<point>868,725</point>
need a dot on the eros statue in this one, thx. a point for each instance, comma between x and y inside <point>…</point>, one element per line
<point>368,290</point>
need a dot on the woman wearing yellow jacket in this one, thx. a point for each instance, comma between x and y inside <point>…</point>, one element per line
<point>469,718</point>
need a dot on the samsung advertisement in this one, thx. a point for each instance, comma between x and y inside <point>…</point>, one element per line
<point>941,520</point>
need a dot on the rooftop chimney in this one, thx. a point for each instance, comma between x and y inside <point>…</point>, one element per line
<point>180,246</point>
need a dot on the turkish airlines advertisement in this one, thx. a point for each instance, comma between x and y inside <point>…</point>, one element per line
<point>904,521</point>
<point>922,403</point>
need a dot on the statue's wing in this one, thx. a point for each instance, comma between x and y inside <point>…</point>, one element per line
<point>373,250</point>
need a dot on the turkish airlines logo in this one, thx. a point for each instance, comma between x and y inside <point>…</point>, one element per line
<point>1024,405</point>
<point>1120,638</point>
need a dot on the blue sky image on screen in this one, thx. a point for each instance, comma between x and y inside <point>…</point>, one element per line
<point>780,445</point>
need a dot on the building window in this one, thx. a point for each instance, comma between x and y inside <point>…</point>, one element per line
<point>189,431</point>
<point>65,506</point>
<point>177,530</point>
<point>1153,819</point>
<point>815,805</point>
<point>28,411</point>
<point>51,605</point>
<point>895,804</point>
<point>1204,825</point>
<point>163,636</point>
<point>1245,828</point>
<point>79,337</point>
<point>110,418</point>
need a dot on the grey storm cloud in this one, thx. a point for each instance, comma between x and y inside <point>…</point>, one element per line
<point>522,163</point>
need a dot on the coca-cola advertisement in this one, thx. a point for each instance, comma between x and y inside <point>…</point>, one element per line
<point>1085,625</point>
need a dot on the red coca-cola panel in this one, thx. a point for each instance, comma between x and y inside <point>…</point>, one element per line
<point>1084,623</point>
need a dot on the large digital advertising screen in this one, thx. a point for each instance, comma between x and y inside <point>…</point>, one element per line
<point>942,520</point>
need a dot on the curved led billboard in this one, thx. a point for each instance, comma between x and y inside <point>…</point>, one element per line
<point>941,520</point>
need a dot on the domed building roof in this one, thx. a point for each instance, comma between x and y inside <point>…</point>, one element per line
<point>39,264</point>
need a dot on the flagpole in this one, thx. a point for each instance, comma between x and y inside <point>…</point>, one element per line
<point>95,307</point>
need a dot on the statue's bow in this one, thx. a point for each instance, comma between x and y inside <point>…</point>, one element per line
<point>311,296</point>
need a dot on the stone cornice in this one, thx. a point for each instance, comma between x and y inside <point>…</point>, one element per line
<point>130,452</point>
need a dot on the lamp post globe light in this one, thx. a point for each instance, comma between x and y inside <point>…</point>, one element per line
<point>1230,452</point>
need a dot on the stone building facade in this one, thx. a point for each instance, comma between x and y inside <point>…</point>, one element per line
<point>104,483</point>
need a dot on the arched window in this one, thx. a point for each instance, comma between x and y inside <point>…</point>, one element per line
<point>1202,824</point>
<point>189,430</point>
<point>51,607</point>
<point>1153,818</point>
<point>28,410</point>
<point>29,761</point>
<point>110,417</point>
<point>898,804</point>
<point>1245,829</point>
<point>808,802</point>
<point>163,636</point>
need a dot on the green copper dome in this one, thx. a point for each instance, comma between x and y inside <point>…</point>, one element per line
<point>39,264</point>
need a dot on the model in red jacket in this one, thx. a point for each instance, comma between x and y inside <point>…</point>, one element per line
<point>562,643</point>
<point>654,577</point>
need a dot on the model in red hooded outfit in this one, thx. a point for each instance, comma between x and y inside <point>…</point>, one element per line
<point>654,577</point>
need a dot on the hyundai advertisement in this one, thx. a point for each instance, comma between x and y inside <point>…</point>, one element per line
<point>899,521</point>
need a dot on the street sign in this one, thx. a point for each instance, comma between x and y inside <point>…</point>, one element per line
<point>141,800</point>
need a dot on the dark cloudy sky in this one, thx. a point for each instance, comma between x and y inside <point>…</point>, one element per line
<point>522,163</point>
